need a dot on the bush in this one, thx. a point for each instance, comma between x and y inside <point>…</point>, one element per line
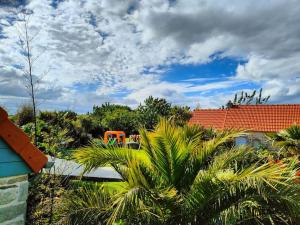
<point>47,116</point>
<point>24,115</point>
<point>121,119</point>
<point>115,117</point>
<point>45,192</point>
<point>91,125</point>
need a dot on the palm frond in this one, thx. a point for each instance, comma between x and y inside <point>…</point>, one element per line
<point>239,195</point>
<point>187,176</point>
<point>288,139</point>
<point>85,205</point>
<point>92,158</point>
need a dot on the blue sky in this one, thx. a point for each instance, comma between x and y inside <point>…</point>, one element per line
<point>191,52</point>
<point>220,68</point>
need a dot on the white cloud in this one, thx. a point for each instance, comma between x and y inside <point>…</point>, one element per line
<point>111,43</point>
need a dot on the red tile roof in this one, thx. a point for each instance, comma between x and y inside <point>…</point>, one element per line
<point>19,142</point>
<point>260,118</point>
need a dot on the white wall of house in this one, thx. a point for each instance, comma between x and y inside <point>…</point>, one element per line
<point>254,139</point>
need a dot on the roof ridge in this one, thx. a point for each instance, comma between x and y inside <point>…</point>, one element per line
<point>3,115</point>
<point>268,105</point>
<point>245,106</point>
<point>195,110</point>
<point>20,143</point>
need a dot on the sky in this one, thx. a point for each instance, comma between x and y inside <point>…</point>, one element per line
<point>191,52</point>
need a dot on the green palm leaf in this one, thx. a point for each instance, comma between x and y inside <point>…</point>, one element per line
<point>186,175</point>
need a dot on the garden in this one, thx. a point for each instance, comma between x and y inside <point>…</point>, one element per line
<point>181,174</point>
<point>150,162</point>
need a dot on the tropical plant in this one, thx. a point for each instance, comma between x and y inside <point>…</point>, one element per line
<point>245,98</point>
<point>288,140</point>
<point>180,178</point>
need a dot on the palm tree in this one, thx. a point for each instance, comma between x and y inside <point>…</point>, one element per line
<point>178,177</point>
<point>288,140</point>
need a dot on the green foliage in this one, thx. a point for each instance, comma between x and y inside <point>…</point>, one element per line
<point>180,115</point>
<point>248,99</point>
<point>288,140</point>
<point>121,119</point>
<point>116,117</point>
<point>152,109</point>
<point>66,122</point>
<point>91,125</point>
<point>24,115</point>
<point>58,131</point>
<point>182,177</point>
<point>101,111</point>
<point>55,141</point>
<point>82,128</point>
<point>29,130</point>
<point>155,108</point>
<point>43,189</point>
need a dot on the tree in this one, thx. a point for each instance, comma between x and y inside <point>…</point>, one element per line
<point>101,111</point>
<point>151,110</point>
<point>116,117</point>
<point>179,178</point>
<point>180,115</point>
<point>25,42</point>
<point>121,119</point>
<point>245,98</point>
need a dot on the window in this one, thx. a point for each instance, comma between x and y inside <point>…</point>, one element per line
<point>241,141</point>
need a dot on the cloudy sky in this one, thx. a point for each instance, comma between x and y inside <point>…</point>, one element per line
<point>191,52</point>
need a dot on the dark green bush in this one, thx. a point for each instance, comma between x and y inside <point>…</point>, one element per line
<point>24,115</point>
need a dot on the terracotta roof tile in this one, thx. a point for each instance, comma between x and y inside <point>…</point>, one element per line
<point>263,118</point>
<point>20,143</point>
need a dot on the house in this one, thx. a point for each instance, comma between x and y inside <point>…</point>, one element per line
<point>257,119</point>
<point>18,158</point>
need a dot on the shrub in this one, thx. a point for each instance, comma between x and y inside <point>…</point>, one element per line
<point>24,115</point>
<point>45,193</point>
<point>179,178</point>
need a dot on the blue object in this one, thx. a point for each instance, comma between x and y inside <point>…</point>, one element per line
<point>11,164</point>
<point>241,141</point>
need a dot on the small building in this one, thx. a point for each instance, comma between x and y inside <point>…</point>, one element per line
<point>257,119</point>
<point>18,158</point>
